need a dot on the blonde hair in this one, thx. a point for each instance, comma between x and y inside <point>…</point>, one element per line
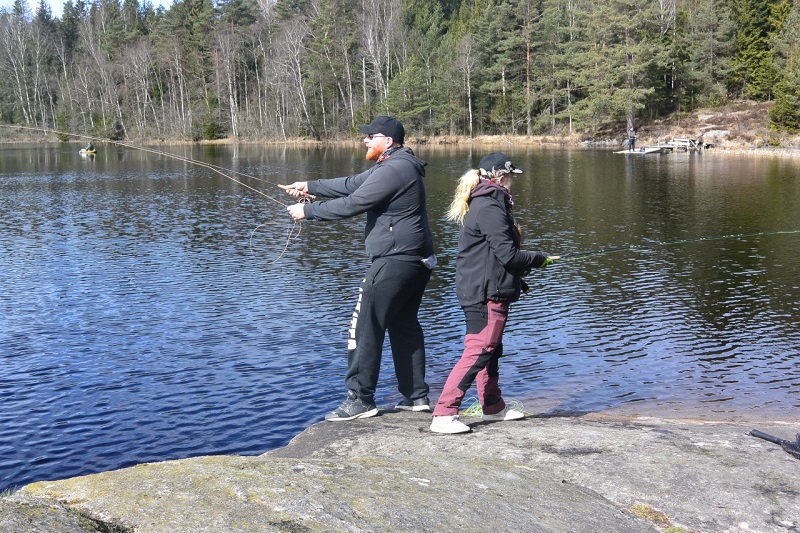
<point>460,204</point>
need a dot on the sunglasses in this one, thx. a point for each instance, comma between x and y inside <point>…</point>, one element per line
<point>371,136</point>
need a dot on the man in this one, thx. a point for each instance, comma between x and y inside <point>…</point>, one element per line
<point>400,248</point>
<point>631,139</point>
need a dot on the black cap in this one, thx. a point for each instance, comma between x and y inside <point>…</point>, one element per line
<point>498,161</point>
<point>388,126</point>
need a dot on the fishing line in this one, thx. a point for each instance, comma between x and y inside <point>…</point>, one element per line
<point>290,236</point>
<point>226,172</point>
<point>635,247</point>
<point>214,168</point>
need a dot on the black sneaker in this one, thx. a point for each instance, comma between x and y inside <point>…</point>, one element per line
<point>352,408</point>
<point>407,404</point>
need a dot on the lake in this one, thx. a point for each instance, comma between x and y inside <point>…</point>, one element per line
<point>156,309</point>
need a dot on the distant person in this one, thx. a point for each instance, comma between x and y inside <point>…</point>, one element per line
<point>400,247</point>
<point>631,139</point>
<point>90,147</point>
<point>489,270</point>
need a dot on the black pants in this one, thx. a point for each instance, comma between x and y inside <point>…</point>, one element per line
<point>388,300</point>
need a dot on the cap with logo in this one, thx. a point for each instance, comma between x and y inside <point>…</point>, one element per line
<point>497,162</point>
<point>384,125</point>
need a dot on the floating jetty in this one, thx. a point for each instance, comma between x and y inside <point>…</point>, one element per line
<point>642,150</point>
<point>675,145</point>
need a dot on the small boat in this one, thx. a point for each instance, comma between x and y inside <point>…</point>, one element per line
<point>88,152</point>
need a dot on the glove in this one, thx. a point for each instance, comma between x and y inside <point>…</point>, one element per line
<point>550,260</point>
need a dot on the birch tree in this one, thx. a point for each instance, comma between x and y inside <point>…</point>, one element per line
<point>379,23</point>
<point>291,45</point>
<point>14,38</point>
<point>466,62</point>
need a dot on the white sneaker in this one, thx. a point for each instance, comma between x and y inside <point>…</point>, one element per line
<point>506,414</point>
<point>448,424</point>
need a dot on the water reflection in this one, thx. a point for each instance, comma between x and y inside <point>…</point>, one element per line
<point>144,317</point>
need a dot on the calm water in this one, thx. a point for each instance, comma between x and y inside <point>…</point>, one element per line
<point>144,316</point>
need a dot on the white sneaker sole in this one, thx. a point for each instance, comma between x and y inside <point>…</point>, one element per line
<point>460,432</point>
<point>416,408</point>
<point>365,414</point>
<point>453,428</point>
<point>503,417</point>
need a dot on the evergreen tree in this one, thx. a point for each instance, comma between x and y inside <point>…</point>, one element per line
<point>753,73</point>
<point>785,114</point>
<point>618,59</point>
<point>550,93</point>
<point>705,33</point>
<point>502,46</point>
<point>71,17</point>
<point>106,17</point>
<point>135,19</point>
<point>189,25</point>
<point>44,14</point>
<point>21,10</point>
<point>410,97</point>
<point>428,24</point>
<point>238,13</point>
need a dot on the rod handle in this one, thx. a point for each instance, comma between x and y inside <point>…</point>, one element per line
<point>765,436</point>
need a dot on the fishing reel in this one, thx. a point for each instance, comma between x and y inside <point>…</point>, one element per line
<point>304,198</point>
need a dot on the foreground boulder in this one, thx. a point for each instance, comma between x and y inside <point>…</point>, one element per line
<point>390,473</point>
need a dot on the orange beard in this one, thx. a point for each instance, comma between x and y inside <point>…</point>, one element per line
<point>373,154</point>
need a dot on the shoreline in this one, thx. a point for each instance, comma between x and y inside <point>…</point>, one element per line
<point>733,127</point>
<point>417,144</point>
<point>722,141</point>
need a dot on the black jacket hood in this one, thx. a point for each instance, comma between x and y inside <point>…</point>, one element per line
<point>488,188</point>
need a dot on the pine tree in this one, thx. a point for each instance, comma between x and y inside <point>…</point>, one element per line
<point>618,59</point>
<point>785,114</point>
<point>753,73</point>
<point>502,46</point>
<point>706,35</point>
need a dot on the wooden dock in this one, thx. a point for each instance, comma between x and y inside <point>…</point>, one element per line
<point>641,150</point>
<point>674,145</point>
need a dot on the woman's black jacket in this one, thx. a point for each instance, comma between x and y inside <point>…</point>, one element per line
<point>490,263</point>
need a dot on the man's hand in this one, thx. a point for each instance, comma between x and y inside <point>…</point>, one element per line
<point>550,260</point>
<point>298,188</point>
<point>296,211</point>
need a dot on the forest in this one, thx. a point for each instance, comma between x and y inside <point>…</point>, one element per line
<point>313,69</point>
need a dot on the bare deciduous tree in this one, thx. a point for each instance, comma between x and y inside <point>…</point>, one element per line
<point>466,62</point>
<point>380,22</point>
<point>291,45</point>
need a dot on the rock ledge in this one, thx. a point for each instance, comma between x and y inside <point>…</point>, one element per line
<point>390,473</point>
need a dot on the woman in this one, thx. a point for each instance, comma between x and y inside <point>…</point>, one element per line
<point>489,270</point>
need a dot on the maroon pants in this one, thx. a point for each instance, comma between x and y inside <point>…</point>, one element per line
<point>483,347</point>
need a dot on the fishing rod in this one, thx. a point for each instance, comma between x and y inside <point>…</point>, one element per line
<point>636,247</point>
<point>226,172</point>
<point>219,170</point>
<point>792,448</point>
